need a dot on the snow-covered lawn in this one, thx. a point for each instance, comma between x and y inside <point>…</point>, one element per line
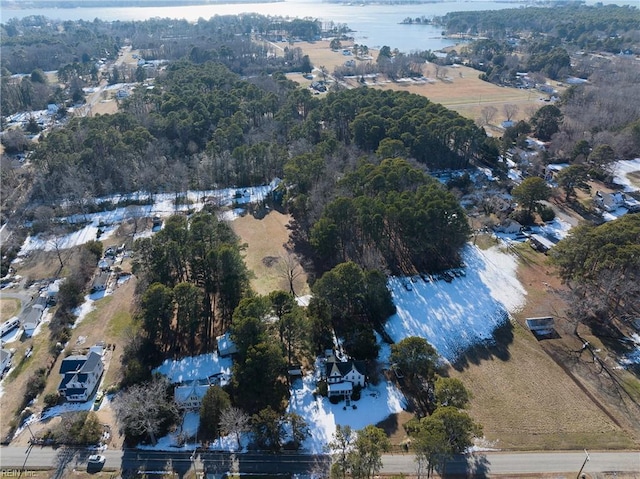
<point>453,316</point>
<point>375,404</point>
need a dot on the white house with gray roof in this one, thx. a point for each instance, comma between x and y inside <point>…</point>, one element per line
<point>81,375</point>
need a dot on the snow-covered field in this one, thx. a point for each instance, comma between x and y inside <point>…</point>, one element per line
<point>163,206</point>
<point>453,316</point>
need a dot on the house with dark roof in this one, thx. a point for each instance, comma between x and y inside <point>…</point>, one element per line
<point>343,376</point>
<point>81,375</point>
<point>100,281</point>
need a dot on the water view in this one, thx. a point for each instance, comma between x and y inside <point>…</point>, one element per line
<point>373,25</point>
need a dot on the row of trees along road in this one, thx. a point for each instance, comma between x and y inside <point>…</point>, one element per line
<point>442,429</point>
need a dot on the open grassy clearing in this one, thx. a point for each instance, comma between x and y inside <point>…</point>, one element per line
<point>15,383</point>
<point>9,307</point>
<point>524,398</point>
<point>461,91</point>
<point>266,239</point>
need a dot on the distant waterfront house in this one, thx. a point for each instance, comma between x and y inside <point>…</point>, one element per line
<point>81,375</point>
<point>541,326</point>
<point>9,325</point>
<point>508,226</point>
<point>343,376</point>
<point>541,243</point>
<point>32,319</point>
<point>100,281</point>
<point>551,170</point>
<point>105,264</point>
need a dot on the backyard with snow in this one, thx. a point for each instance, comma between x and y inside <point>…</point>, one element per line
<point>451,316</point>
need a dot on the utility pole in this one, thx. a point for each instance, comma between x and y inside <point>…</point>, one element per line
<point>586,459</point>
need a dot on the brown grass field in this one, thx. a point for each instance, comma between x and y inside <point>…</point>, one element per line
<point>462,91</point>
<point>265,239</point>
<point>9,307</point>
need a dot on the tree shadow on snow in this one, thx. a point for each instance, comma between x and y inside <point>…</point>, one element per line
<point>495,348</point>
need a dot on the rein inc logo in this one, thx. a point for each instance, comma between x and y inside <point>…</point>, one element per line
<point>17,473</point>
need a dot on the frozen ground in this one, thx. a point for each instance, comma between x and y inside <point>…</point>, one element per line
<point>376,403</point>
<point>622,169</point>
<point>163,206</point>
<point>194,367</point>
<point>453,316</point>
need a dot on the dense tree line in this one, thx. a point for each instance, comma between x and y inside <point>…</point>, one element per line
<point>392,216</point>
<point>196,278</point>
<point>603,27</point>
<point>354,303</point>
<point>550,43</point>
<point>38,42</point>
<point>601,113</point>
<point>432,134</point>
<point>602,266</point>
<point>74,49</point>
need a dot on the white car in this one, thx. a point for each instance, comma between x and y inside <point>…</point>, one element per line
<point>96,459</point>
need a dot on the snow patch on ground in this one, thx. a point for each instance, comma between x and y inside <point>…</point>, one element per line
<point>632,357</point>
<point>164,205</point>
<point>622,169</point>
<point>453,316</point>
<point>84,309</point>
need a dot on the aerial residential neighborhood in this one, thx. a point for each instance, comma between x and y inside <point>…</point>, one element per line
<point>253,244</point>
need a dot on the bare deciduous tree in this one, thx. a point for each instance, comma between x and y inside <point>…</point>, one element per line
<point>510,110</point>
<point>289,268</point>
<point>143,408</point>
<point>234,421</point>
<point>488,113</point>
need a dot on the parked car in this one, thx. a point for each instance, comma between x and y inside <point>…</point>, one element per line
<point>96,460</point>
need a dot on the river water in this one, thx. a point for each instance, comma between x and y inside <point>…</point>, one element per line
<point>374,25</point>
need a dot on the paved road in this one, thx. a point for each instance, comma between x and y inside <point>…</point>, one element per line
<point>484,464</point>
<point>521,463</point>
